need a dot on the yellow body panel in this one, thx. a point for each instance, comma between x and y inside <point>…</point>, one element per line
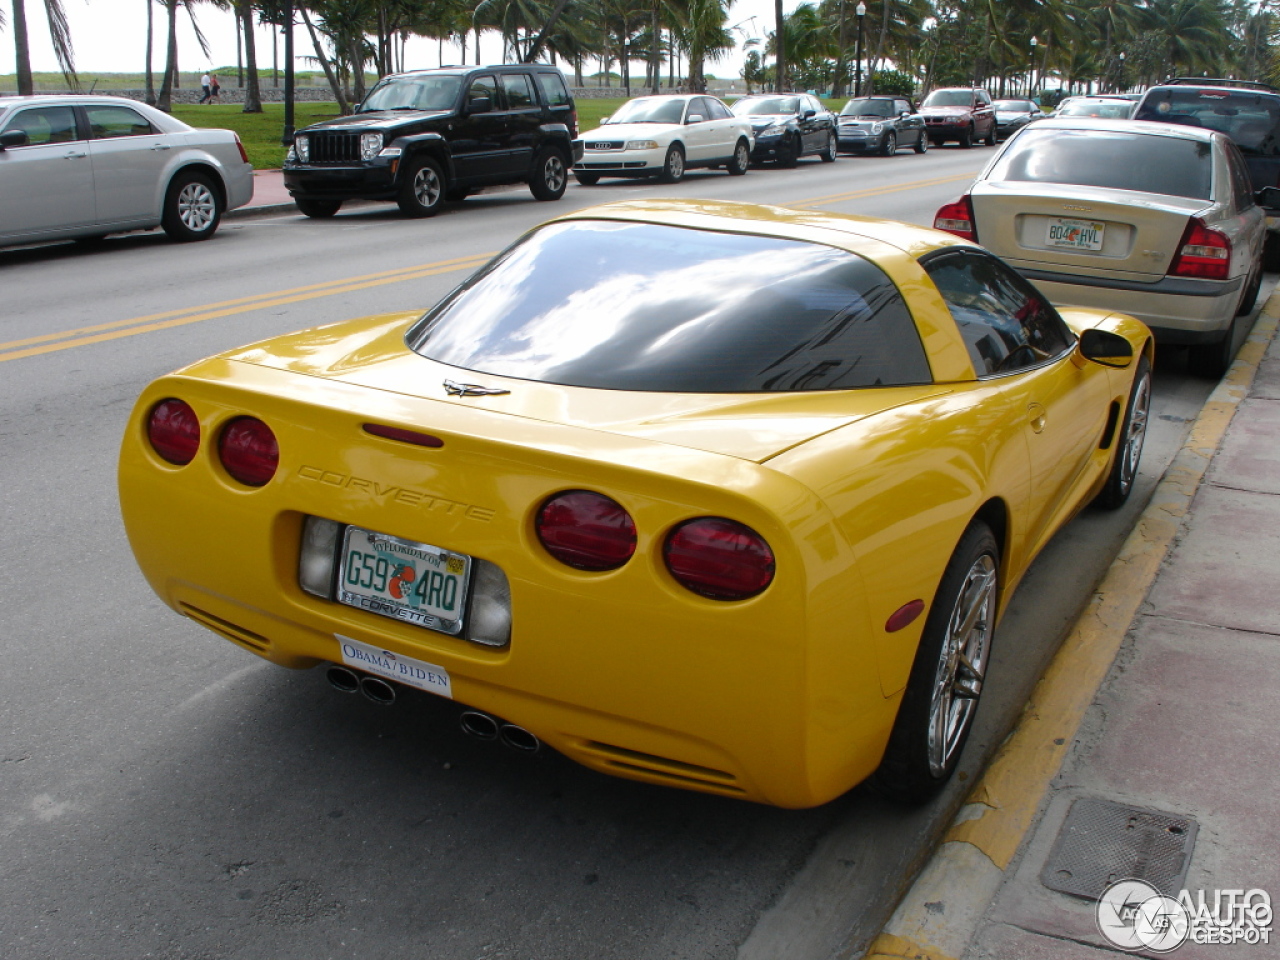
<point>786,698</point>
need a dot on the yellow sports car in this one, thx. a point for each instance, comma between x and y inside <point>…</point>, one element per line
<point>718,496</point>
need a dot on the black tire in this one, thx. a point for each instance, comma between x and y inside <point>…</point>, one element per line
<point>966,138</point>
<point>318,209</point>
<point>741,159</point>
<point>922,145</point>
<point>790,155</point>
<point>673,165</point>
<point>990,141</point>
<point>586,179</point>
<point>889,145</point>
<point>948,674</point>
<point>192,208</point>
<point>1211,360</point>
<point>832,150</point>
<point>1251,288</point>
<point>422,189</point>
<point>1129,440</point>
<point>937,141</point>
<point>550,175</point>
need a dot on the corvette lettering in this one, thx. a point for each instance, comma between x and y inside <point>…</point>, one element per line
<point>391,492</point>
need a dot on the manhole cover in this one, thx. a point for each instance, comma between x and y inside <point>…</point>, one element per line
<point>1103,841</point>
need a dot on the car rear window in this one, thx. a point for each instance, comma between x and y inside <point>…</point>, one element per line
<point>1121,160</point>
<point>650,307</point>
<point>1251,119</point>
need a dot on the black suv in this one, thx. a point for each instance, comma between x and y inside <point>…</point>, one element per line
<point>1248,113</point>
<point>428,136</point>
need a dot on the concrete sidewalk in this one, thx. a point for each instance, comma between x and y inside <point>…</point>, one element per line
<point>1149,750</point>
<point>269,196</point>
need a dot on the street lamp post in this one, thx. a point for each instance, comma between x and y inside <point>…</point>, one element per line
<point>1120,84</point>
<point>861,11</point>
<point>1034,41</point>
<point>287,136</point>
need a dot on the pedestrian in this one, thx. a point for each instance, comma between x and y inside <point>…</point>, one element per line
<point>206,84</point>
<point>215,90</point>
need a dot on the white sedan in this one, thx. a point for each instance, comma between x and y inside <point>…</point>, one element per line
<point>77,167</point>
<point>663,137</point>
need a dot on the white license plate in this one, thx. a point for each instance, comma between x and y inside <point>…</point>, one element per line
<point>1074,234</point>
<point>404,580</point>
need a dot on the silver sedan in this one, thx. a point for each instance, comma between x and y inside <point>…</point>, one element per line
<point>73,167</point>
<point>1154,220</point>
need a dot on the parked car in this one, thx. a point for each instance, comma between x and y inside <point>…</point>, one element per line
<point>1014,114</point>
<point>881,125</point>
<point>1154,220</point>
<point>704,494</point>
<point>788,126</point>
<point>428,136</point>
<point>962,114</point>
<point>663,136</point>
<point>1107,108</point>
<point>81,167</point>
<point>1248,113</point>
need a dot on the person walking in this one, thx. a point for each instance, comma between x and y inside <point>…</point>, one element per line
<point>205,83</point>
<point>215,90</point>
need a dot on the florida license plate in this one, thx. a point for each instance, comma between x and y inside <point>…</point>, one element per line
<point>1074,234</point>
<point>403,579</point>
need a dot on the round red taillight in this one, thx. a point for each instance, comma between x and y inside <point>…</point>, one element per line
<point>248,451</point>
<point>174,431</point>
<point>718,558</point>
<point>586,530</point>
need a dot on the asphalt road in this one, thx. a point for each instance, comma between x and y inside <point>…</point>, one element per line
<point>165,794</point>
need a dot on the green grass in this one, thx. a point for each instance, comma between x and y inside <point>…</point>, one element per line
<point>259,132</point>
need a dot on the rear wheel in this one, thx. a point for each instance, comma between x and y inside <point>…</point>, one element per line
<point>673,165</point>
<point>586,179</point>
<point>948,675</point>
<point>192,209</point>
<point>1133,433</point>
<point>1211,360</point>
<point>319,209</point>
<point>991,136</point>
<point>889,145</point>
<point>922,145</point>
<point>550,175</point>
<point>833,149</point>
<point>1250,294</point>
<point>741,159</point>
<point>422,191</point>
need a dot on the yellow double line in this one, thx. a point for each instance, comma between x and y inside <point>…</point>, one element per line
<point>84,336</point>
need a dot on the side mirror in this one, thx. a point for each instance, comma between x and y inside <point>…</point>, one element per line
<point>14,138</point>
<point>479,105</point>
<point>810,113</point>
<point>694,118</point>
<point>1106,348</point>
<point>604,121</point>
<point>1268,197</point>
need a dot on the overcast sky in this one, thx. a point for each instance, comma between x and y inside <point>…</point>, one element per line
<point>110,37</point>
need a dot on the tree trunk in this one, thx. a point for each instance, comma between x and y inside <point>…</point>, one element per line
<point>165,100</point>
<point>22,51</point>
<point>239,48</point>
<point>252,94</point>
<point>151,86</point>
<point>334,85</point>
<point>780,49</point>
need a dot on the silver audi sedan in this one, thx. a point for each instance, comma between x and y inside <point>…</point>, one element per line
<point>76,167</point>
<point>1154,220</point>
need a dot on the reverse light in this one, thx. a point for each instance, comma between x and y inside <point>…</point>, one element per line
<point>248,451</point>
<point>957,218</point>
<point>489,620</point>
<point>719,558</point>
<point>587,531</point>
<point>1204,253</point>
<point>174,431</point>
<point>318,556</point>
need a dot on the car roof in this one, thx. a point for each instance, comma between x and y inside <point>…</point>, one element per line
<point>80,98</point>
<point>1144,127</point>
<point>457,70</point>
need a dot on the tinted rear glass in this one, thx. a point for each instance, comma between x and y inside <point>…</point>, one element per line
<point>1249,118</point>
<point>1146,163</point>
<point>637,306</point>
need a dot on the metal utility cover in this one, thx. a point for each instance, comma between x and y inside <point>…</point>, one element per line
<point>1103,841</point>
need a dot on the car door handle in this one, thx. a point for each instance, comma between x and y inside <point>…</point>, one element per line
<point>161,146</point>
<point>1035,416</point>
<point>72,155</point>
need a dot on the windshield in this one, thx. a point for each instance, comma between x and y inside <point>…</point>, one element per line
<point>1144,163</point>
<point>649,307</point>
<point>1251,119</point>
<point>1110,109</point>
<point>1014,106</point>
<point>766,106</point>
<point>413,93</point>
<point>650,110</point>
<point>949,98</point>
<point>868,108</point>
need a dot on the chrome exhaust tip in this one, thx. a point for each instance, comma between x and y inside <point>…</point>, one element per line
<point>519,739</point>
<point>478,725</point>
<point>379,691</point>
<point>340,678</point>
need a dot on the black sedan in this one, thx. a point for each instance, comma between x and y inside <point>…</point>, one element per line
<point>789,126</point>
<point>1012,115</point>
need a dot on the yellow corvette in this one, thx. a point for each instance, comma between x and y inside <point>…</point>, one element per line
<point>717,496</point>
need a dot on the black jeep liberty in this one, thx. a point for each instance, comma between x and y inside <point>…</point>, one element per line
<point>428,136</point>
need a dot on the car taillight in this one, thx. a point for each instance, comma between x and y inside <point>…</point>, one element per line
<point>174,431</point>
<point>719,558</point>
<point>1203,252</point>
<point>957,218</point>
<point>248,451</point>
<point>586,530</point>
<point>240,146</point>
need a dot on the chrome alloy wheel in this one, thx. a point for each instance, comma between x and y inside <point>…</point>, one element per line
<point>553,173</point>
<point>427,187</point>
<point>1136,435</point>
<point>962,663</point>
<point>197,206</point>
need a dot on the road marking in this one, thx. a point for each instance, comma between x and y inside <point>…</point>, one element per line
<point>168,319</point>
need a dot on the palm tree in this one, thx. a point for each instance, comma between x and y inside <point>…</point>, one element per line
<point>705,36</point>
<point>252,94</point>
<point>59,32</point>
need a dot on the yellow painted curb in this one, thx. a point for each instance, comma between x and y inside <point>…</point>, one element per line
<point>1005,802</point>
